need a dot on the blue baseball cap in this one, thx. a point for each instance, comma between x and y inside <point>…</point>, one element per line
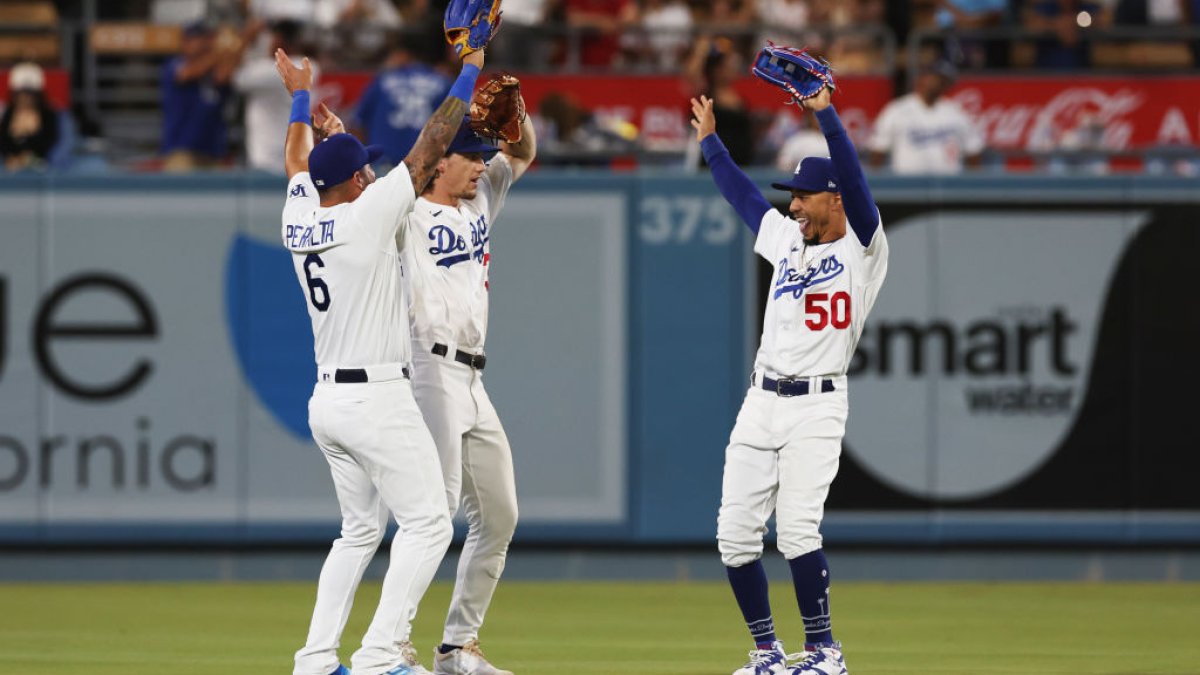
<point>336,159</point>
<point>813,174</point>
<point>467,141</point>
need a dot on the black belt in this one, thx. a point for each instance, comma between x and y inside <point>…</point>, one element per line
<point>476,361</point>
<point>358,375</point>
<point>794,387</point>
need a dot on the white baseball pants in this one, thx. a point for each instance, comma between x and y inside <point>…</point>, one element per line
<point>782,457</point>
<point>383,461</point>
<point>477,468</point>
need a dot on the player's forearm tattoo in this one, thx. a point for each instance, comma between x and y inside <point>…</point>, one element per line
<point>434,139</point>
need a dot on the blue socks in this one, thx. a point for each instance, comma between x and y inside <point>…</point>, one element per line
<point>810,575</point>
<point>749,583</point>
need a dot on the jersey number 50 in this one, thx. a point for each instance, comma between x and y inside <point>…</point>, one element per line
<point>827,310</point>
<point>321,304</point>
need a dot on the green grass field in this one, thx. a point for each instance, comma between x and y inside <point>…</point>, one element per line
<point>616,628</point>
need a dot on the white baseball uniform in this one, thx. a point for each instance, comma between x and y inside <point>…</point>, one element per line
<point>784,450</point>
<point>925,139</point>
<point>446,263</point>
<point>364,416</point>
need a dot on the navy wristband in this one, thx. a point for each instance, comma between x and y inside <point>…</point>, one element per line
<point>301,108</point>
<point>464,86</point>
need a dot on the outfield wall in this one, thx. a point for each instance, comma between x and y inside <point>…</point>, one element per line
<point>1026,375</point>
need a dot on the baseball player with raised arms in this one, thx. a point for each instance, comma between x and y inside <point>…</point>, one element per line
<point>829,259</point>
<point>446,267</point>
<point>342,227</point>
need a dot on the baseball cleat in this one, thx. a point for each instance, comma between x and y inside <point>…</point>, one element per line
<point>341,670</point>
<point>466,660</point>
<point>410,665</point>
<point>824,659</point>
<point>767,661</point>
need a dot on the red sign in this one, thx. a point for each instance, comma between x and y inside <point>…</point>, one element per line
<point>656,105</point>
<point>1046,113</point>
<point>58,87</point>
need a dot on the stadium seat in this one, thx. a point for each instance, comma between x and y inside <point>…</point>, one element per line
<point>133,39</point>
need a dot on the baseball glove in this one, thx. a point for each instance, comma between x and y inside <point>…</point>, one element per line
<point>793,70</point>
<point>497,109</point>
<point>471,24</point>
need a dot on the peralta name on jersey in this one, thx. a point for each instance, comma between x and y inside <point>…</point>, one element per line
<point>306,236</point>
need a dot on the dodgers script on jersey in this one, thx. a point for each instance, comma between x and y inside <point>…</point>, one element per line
<point>447,261</point>
<point>819,299</point>
<point>347,261</point>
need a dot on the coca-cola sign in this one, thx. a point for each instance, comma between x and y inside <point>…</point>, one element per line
<point>1083,112</point>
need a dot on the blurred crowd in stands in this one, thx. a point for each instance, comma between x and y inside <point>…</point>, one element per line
<point>217,103</point>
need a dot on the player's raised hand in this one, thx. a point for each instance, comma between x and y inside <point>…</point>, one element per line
<point>295,79</point>
<point>703,119</point>
<point>325,123</point>
<point>820,101</point>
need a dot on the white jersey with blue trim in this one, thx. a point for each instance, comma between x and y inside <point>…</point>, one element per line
<point>447,262</point>
<point>347,262</point>
<point>819,298</point>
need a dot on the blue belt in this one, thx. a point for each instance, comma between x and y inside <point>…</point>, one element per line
<point>788,387</point>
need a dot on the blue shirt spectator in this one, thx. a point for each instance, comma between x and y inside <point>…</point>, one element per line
<point>399,101</point>
<point>970,13</point>
<point>1069,21</point>
<point>195,88</point>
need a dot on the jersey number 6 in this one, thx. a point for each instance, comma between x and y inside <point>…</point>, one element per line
<point>314,283</point>
<point>827,310</point>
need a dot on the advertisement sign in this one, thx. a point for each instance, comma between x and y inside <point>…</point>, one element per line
<point>156,363</point>
<point>1027,358</point>
<point>1079,112</point>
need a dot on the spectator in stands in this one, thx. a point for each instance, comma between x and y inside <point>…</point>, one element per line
<point>29,125</point>
<point>601,22</point>
<point>954,16</point>
<point>925,133</point>
<point>785,22</point>
<point>733,20</point>
<point>664,33</point>
<point>713,68</point>
<point>356,30</point>
<point>805,141</point>
<point>268,104</point>
<point>377,13</point>
<point>195,88</point>
<point>523,41</point>
<point>1069,21</point>
<point>303,11</point>
<point>396,104</point>
<point>573,135</point>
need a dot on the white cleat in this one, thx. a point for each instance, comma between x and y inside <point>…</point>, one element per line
<point>466,660</point>
<point>767,661</point>
<point>824,660</point>
<point>410,665</point>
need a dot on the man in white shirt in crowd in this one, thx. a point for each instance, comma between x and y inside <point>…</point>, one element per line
<point>267,104</point>
<point>924,132</point>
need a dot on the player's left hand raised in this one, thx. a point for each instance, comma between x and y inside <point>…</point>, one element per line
<point>703,119</point>
<point>295,79</point>
<point>325,123</point>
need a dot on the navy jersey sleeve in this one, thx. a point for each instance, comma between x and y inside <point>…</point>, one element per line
<point>860,207</point>
<point>735,186</point>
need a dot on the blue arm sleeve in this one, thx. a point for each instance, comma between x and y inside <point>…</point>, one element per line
<point>856,196</point>
<point>735,186</point>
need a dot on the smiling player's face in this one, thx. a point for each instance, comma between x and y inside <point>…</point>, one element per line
<point>461,174</point>
<point>814,211</point>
